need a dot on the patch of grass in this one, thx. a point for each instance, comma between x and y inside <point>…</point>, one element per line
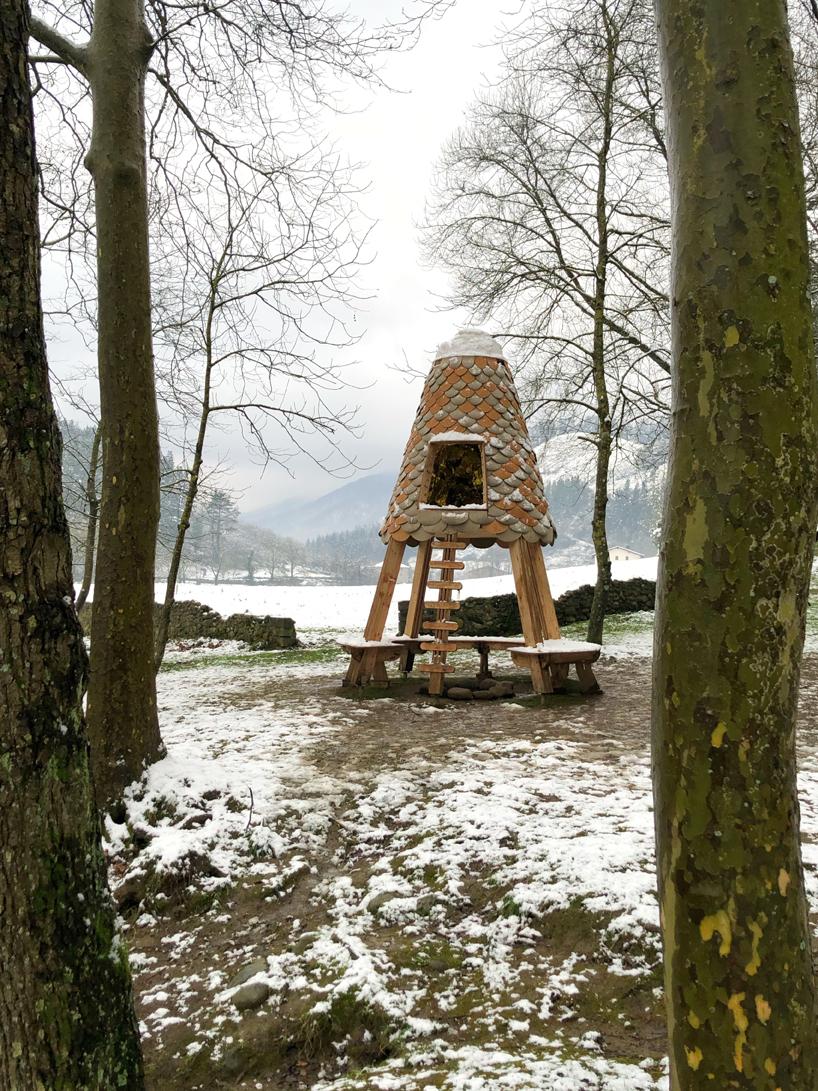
<point>438,957</point>
<point>616,627</point>
<point>364,1028</point>
<point>510,908</point>
<point>162,808</point>
<point>285,657</point>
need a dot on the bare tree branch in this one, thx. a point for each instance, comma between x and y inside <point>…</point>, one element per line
<point>67,51</point>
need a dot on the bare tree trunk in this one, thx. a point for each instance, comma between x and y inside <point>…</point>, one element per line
<point>122,714</point>
<point>596,622</point>
<point>93,513</point>
<point>735,561</point>
<point>163,623</point>
<point>66,1004</point>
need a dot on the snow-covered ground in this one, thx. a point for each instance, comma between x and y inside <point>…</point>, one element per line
<point>345,609</point>
<point>414,896</point>
<point>444,850</point>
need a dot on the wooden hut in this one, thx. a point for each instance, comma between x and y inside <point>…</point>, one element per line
<point>469,477</point>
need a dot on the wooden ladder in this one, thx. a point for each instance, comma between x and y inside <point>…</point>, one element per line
<point>442,626</point>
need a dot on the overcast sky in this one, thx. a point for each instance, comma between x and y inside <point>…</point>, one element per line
<point>396,137</point>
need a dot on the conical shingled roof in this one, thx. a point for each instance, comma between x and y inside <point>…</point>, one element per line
<point>470,391</point>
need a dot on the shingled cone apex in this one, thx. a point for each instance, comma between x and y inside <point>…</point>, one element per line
<point>470,396</point>
<point>469,477</point>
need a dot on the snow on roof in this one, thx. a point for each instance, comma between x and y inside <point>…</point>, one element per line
<point>470,343</point>
<point>456,437</point>
<point>472,398</point>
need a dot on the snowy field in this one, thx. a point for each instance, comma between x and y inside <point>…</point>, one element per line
<point>390,893</point>
<point>345,609</point>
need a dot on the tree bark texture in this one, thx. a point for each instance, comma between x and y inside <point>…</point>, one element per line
<point>122,714</point>
<point>735,561</point>
<point>66,1007</point>
<point>93,520</point>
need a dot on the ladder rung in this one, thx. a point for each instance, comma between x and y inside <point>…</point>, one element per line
<point>440,625</point>
<point>450,545</point>
<point>434,668</point>
<point>446,564</point>
<point>441,605</point>
<point>438,647</point>
<point>442,585</point>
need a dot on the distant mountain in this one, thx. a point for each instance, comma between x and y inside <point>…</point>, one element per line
<point>567,464</point>
<point>359,503</point>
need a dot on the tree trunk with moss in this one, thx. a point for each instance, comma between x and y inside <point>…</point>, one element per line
<point>66,1005</point>
<point>123,723</point>
<point>735,561</point>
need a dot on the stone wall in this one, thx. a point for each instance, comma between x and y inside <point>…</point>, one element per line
<point>499,615</point>
<point>191,620</point>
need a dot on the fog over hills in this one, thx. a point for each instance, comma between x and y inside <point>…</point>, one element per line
<point>357,504</point>
<point>568,465</point>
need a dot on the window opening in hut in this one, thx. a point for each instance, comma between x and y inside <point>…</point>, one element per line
<point>457,476</point>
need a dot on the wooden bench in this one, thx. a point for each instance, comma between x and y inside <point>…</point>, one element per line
<point>550,659</point>
<point>368,659</point>
<point>411,646</point>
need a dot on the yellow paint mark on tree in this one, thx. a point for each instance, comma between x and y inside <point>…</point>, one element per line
<point>718,735</point>
<point>741,1021</point>
<point>731,337</point>
<point>783,882</point>
<point>718,922</point>
<point>763,1011</point>
<point>694,1057</point>
<point>752,966</point>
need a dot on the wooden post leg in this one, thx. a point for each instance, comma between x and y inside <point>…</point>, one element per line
<point>559,675</point>
<point>390,570</point>
<point>368,661</point>
<point>379,675</point>
<point>587,679</point>
<point>436,684</point>
<point>541,676</point>
<point>552,626</point>
<point>530,616</point>
<point>484,671</point>
<point>354,669</point>
<point>414,615</point>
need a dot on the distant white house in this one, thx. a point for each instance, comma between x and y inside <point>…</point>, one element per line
<point>621,553</point>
